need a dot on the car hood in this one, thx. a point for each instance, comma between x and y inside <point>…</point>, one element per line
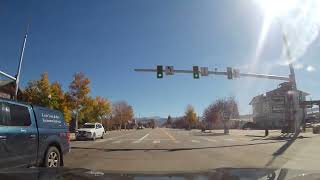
<point>221,173</point>
<point>86,129</point>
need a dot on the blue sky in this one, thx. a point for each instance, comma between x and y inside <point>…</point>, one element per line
<point>108,39</point>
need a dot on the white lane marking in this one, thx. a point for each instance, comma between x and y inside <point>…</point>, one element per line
<point>139,140</point>
<point>169,135</point>
<point>116,142</point>
<point>211,140</point>
<point>229,139</point>
<point>195,141</point>
<point>157,139</point>
<point>155,142</point>
<point>112,138</point>
<point>177,141</point>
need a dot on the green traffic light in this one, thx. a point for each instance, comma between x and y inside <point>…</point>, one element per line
<point>196,75</point>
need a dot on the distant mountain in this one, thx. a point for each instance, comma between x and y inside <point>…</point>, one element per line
<point>159,120</point>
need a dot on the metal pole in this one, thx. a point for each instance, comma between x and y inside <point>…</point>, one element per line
<point>20,62</point>
<point>7,75</point>
<point>296,120</point>
<point>223,73</point>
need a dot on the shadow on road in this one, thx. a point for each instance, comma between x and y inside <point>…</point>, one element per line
<point>172,149</point>
<point>291,137</point>
<point>286,137</point>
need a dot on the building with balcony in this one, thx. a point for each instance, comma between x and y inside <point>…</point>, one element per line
<point>274,108</point>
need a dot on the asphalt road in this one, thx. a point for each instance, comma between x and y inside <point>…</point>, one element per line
<point>171,150</point>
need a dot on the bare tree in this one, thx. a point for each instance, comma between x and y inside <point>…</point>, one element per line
<point>122,113</point>
<point>221,111</point>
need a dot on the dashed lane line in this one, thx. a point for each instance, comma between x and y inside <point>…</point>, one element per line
<point>156,142</point>
<point>195,141</point>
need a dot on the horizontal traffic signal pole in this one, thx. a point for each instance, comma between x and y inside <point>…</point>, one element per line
<point>224,73</point>
<point>8,76</point>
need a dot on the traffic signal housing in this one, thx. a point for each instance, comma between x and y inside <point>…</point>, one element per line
<point>196,73</point>
<point>159,72</point>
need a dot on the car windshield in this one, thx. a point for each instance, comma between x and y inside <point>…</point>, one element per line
<point>88,126</point>
<point>164,85</point>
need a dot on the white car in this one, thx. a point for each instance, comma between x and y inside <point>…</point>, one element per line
<point>90,131</point>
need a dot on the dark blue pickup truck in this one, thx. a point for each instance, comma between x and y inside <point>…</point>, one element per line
<point>31,135</point>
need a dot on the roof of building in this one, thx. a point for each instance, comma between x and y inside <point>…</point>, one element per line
<point>5,82</point>
<point>257,98</point>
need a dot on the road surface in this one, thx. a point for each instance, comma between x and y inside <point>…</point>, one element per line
<point>172,150</point>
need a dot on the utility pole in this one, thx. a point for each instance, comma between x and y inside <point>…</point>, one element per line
<point>20,62</point>
<point>294,121</point>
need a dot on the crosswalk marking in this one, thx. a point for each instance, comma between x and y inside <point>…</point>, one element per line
<point>195,141</point>
<point>211,140</point>
<point>156,142</point>
<point>229,139</point>
<point>112,138</point>
<point>139,140</point>
<point>116,142</point>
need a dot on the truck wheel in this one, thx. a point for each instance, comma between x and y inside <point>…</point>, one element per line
<point>102,135</point>
<point>94,137</point>
<point>52,158</point>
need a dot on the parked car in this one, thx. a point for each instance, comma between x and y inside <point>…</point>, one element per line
<point>90,131</point>
<point>140,127</point>
<point>316,128</point>
<point>308,125</point>
<point>31,135</point>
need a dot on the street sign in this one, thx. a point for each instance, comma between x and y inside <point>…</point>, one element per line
<point>236,73</point>
<point>169,70</point>
<point>204,71</point>
<point>229,72</point>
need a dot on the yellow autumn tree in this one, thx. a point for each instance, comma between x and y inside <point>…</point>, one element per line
<point>78,95</point>
<point>190,116</point>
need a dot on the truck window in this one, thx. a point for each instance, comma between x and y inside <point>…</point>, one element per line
<point>17,115</point>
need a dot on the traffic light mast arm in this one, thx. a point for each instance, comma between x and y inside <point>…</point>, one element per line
<point>7,75</point>
<point>265,76</point>
<point>224,73</point>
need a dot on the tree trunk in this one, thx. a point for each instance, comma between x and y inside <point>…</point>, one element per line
<point>76,121</point>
